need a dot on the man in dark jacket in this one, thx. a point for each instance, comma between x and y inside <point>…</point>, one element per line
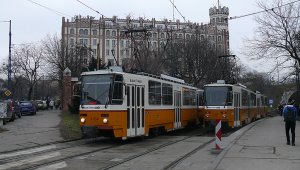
<point>290,116</point>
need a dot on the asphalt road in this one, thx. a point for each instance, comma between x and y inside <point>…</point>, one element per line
<point>30,131</point>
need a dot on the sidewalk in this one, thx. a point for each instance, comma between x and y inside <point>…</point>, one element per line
<point>258,146</point>
<point>30,131</point>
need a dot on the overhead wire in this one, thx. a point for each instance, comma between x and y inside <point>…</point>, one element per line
<point>50,9</point>
<point>266,10</point>
<point>91,8</point>
<point>178,11</point>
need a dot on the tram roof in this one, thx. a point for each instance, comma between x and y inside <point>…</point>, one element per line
<point>162,77</point>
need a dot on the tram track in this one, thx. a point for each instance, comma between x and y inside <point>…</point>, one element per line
<point>157,148</point>
<point>8,159</point>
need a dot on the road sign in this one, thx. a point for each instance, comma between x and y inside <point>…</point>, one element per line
<point>270,101</point>
<point>7,93</point>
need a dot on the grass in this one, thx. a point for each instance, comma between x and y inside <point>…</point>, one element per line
<point>69,126</point>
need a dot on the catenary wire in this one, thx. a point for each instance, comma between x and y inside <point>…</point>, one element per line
<point>50,9</point>
<point>266,10</point>
<point>91,8</point>
<point>178,10</point>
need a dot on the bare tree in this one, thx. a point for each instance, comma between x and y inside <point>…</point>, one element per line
<point>277,33</point>
<point>28,58</point>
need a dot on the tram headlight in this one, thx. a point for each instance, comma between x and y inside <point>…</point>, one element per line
<point>224,115</point>
<point>207,115</point>
<point>82,120</point>
<point>105,120</point>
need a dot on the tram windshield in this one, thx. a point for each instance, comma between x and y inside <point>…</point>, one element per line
<point>102,89</point>
<point>218,96</point>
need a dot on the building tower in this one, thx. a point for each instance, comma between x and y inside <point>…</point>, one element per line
<point>219,20</point>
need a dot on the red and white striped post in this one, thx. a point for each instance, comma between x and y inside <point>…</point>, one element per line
<point>218,132</point>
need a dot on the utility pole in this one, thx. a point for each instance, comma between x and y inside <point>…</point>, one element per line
<point>9,60</point>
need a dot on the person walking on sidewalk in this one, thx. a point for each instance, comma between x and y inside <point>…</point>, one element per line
<point>290,117</point>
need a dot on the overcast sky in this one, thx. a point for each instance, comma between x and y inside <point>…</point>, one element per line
<point>31,22</point>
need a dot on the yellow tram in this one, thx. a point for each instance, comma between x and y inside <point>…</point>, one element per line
<point>124,105</point>
<point>235,105</point>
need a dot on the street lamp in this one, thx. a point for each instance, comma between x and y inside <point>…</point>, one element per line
<point>9,58</point>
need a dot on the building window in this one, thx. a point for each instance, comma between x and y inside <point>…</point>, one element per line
<point>122,52</point>
<point>94,32</point>
<point>188,36</point>
<point>72,41</point>
<point>107,52</point>
<point>107,43</point>
<point>113,33</point>
<point>127,43</point>
<point>81,41</point>
<point>81,32</point>
<point>85,41</point>
<point>175,36</point>
<point>113,43</point>
<point>127,52</point>
<point>71,31</point>
<point>219,38</point>
<point>180,36</point>
<point>154,35</point>
<point>162,35</point>
<point>86,32</point>
<point>122,43</point>
<point>154,45</point>
<point>107,33</point>
<point>202,37</point>
<point>162,44</point>
<point>94,41</point>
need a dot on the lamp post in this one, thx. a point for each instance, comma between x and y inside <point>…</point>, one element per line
<point>9,59</point>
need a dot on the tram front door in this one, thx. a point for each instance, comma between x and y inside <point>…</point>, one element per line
<point>135,110</point>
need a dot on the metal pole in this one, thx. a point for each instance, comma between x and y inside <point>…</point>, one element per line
<point>9,60</point>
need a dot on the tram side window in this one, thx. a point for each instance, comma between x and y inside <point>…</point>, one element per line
<point>154,93</point>
<point>118,90</point>
<point>245,98</point>
<point>189,97</point>
<point>253,99</point>
<point>167,94</point>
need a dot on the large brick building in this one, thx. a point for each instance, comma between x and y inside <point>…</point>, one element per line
<point>107,40</point>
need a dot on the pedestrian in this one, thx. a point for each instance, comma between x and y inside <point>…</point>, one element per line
<point>290,116</point>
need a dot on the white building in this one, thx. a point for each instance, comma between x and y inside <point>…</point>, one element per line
<point>107,35</point>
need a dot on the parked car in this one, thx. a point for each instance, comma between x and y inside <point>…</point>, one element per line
<point>27,107</point>
<point>41,104</point>
<point>9,109</point>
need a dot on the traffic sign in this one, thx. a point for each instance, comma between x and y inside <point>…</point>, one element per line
<point>7,93</point>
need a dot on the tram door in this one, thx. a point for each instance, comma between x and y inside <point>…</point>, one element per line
<point>237,106</point>
<point>135,110</point>
<point>177,109</point>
